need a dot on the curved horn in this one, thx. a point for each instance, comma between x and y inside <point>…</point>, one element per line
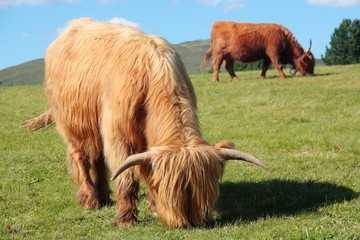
<point>135,159</point>
<point>309,47</point>
<point>235,154</point>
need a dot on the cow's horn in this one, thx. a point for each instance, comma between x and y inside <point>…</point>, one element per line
<point>135,159</point>
<point>309,47</point>
<point>228,154</point>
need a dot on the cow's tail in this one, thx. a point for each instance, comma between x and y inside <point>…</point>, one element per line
<point>40,121</point>
<point>206,58</point>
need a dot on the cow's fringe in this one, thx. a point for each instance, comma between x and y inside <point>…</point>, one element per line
<point>43,120</point>
<point>188,184</point>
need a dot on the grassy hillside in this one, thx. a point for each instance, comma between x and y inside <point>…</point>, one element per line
<point>192,54</point>
<point>28,73</point>
<point>306,129</point>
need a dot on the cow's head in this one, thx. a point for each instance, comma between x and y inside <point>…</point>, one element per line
<point>183,183</point>
<point>305,63</point>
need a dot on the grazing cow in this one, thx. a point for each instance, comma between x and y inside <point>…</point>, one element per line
<point>249,42</point>
<point>123,101</point>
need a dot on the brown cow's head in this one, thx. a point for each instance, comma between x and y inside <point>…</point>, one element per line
<point>305,63</point>
<point>183,183</point>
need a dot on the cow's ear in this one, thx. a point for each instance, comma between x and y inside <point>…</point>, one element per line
<point>225,144</point>
<point>306,58</point>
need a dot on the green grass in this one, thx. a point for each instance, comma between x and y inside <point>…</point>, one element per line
<point>306,129</point>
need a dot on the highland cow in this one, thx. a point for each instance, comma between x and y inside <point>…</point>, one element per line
<point>123,101</point>
<point>249,42</point>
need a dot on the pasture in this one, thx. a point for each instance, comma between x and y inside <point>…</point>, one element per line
<point>307,130</point>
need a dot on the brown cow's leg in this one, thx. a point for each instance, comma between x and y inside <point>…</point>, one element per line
<point>100,176</point>
<point>280,67</point>
<point>80,167</point>
<point>151,203</point>
<point>265,67</point>
<point>229,65</point>
<point>126,184</point>
<point>218,59</point>
<point>277,64</point>
<point>116,150</point>
<point>127,188</point>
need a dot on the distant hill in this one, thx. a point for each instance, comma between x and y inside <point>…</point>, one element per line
<point>32,72</point>
<point>28,73</point>
<point>192,54</point>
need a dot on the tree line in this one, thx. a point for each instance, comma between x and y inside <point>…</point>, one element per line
<point>344,44</point>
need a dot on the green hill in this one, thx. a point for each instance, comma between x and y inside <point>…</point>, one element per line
<point>192,54</point>
<point>28,73</point>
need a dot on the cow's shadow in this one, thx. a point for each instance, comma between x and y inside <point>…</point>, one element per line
<point>290,76</point>
<point>249,201</point>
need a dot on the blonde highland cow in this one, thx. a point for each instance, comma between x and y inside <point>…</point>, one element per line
<point>123,101</point>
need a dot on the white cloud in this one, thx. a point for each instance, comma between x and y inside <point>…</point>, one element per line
<point>25,35</point>
<point>116,20</point>
<point>123,21</point>
<point>335,3</point>
<point>233,5</point>
<point>209,3</point>
<point>228,5</point>
<point>15,3</point>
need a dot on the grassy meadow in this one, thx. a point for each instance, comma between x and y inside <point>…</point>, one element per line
<point>307,130</point>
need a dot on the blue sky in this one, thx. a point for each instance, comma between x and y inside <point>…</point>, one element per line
<point>27,27</point>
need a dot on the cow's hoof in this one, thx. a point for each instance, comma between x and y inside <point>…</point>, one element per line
<point>89,201</point>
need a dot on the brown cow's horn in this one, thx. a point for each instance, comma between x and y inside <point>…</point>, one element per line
<point>135,159</point>
<point>309,47</point>
<point>228,154</point>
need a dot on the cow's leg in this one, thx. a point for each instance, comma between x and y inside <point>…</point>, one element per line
<point>80,166</point>
<point>145,173</point>
<point>265,67</point>
<point>117,147</point>
<point>217,61</point>
<point>126,194</point>
<point>151,203</point>
<point>278,65</point>
<point>229,65</point>
<point>126,184</point>
<point>100,177</point>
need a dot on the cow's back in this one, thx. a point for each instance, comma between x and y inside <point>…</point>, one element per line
<point>246,42</point>
<point>88,66</point>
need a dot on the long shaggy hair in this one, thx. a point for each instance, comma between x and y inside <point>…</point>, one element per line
<point>185,184</point>
<point>116,93</point>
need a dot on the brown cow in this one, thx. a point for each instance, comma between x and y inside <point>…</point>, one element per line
<point>249,42</point>
<point>122,100</point>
